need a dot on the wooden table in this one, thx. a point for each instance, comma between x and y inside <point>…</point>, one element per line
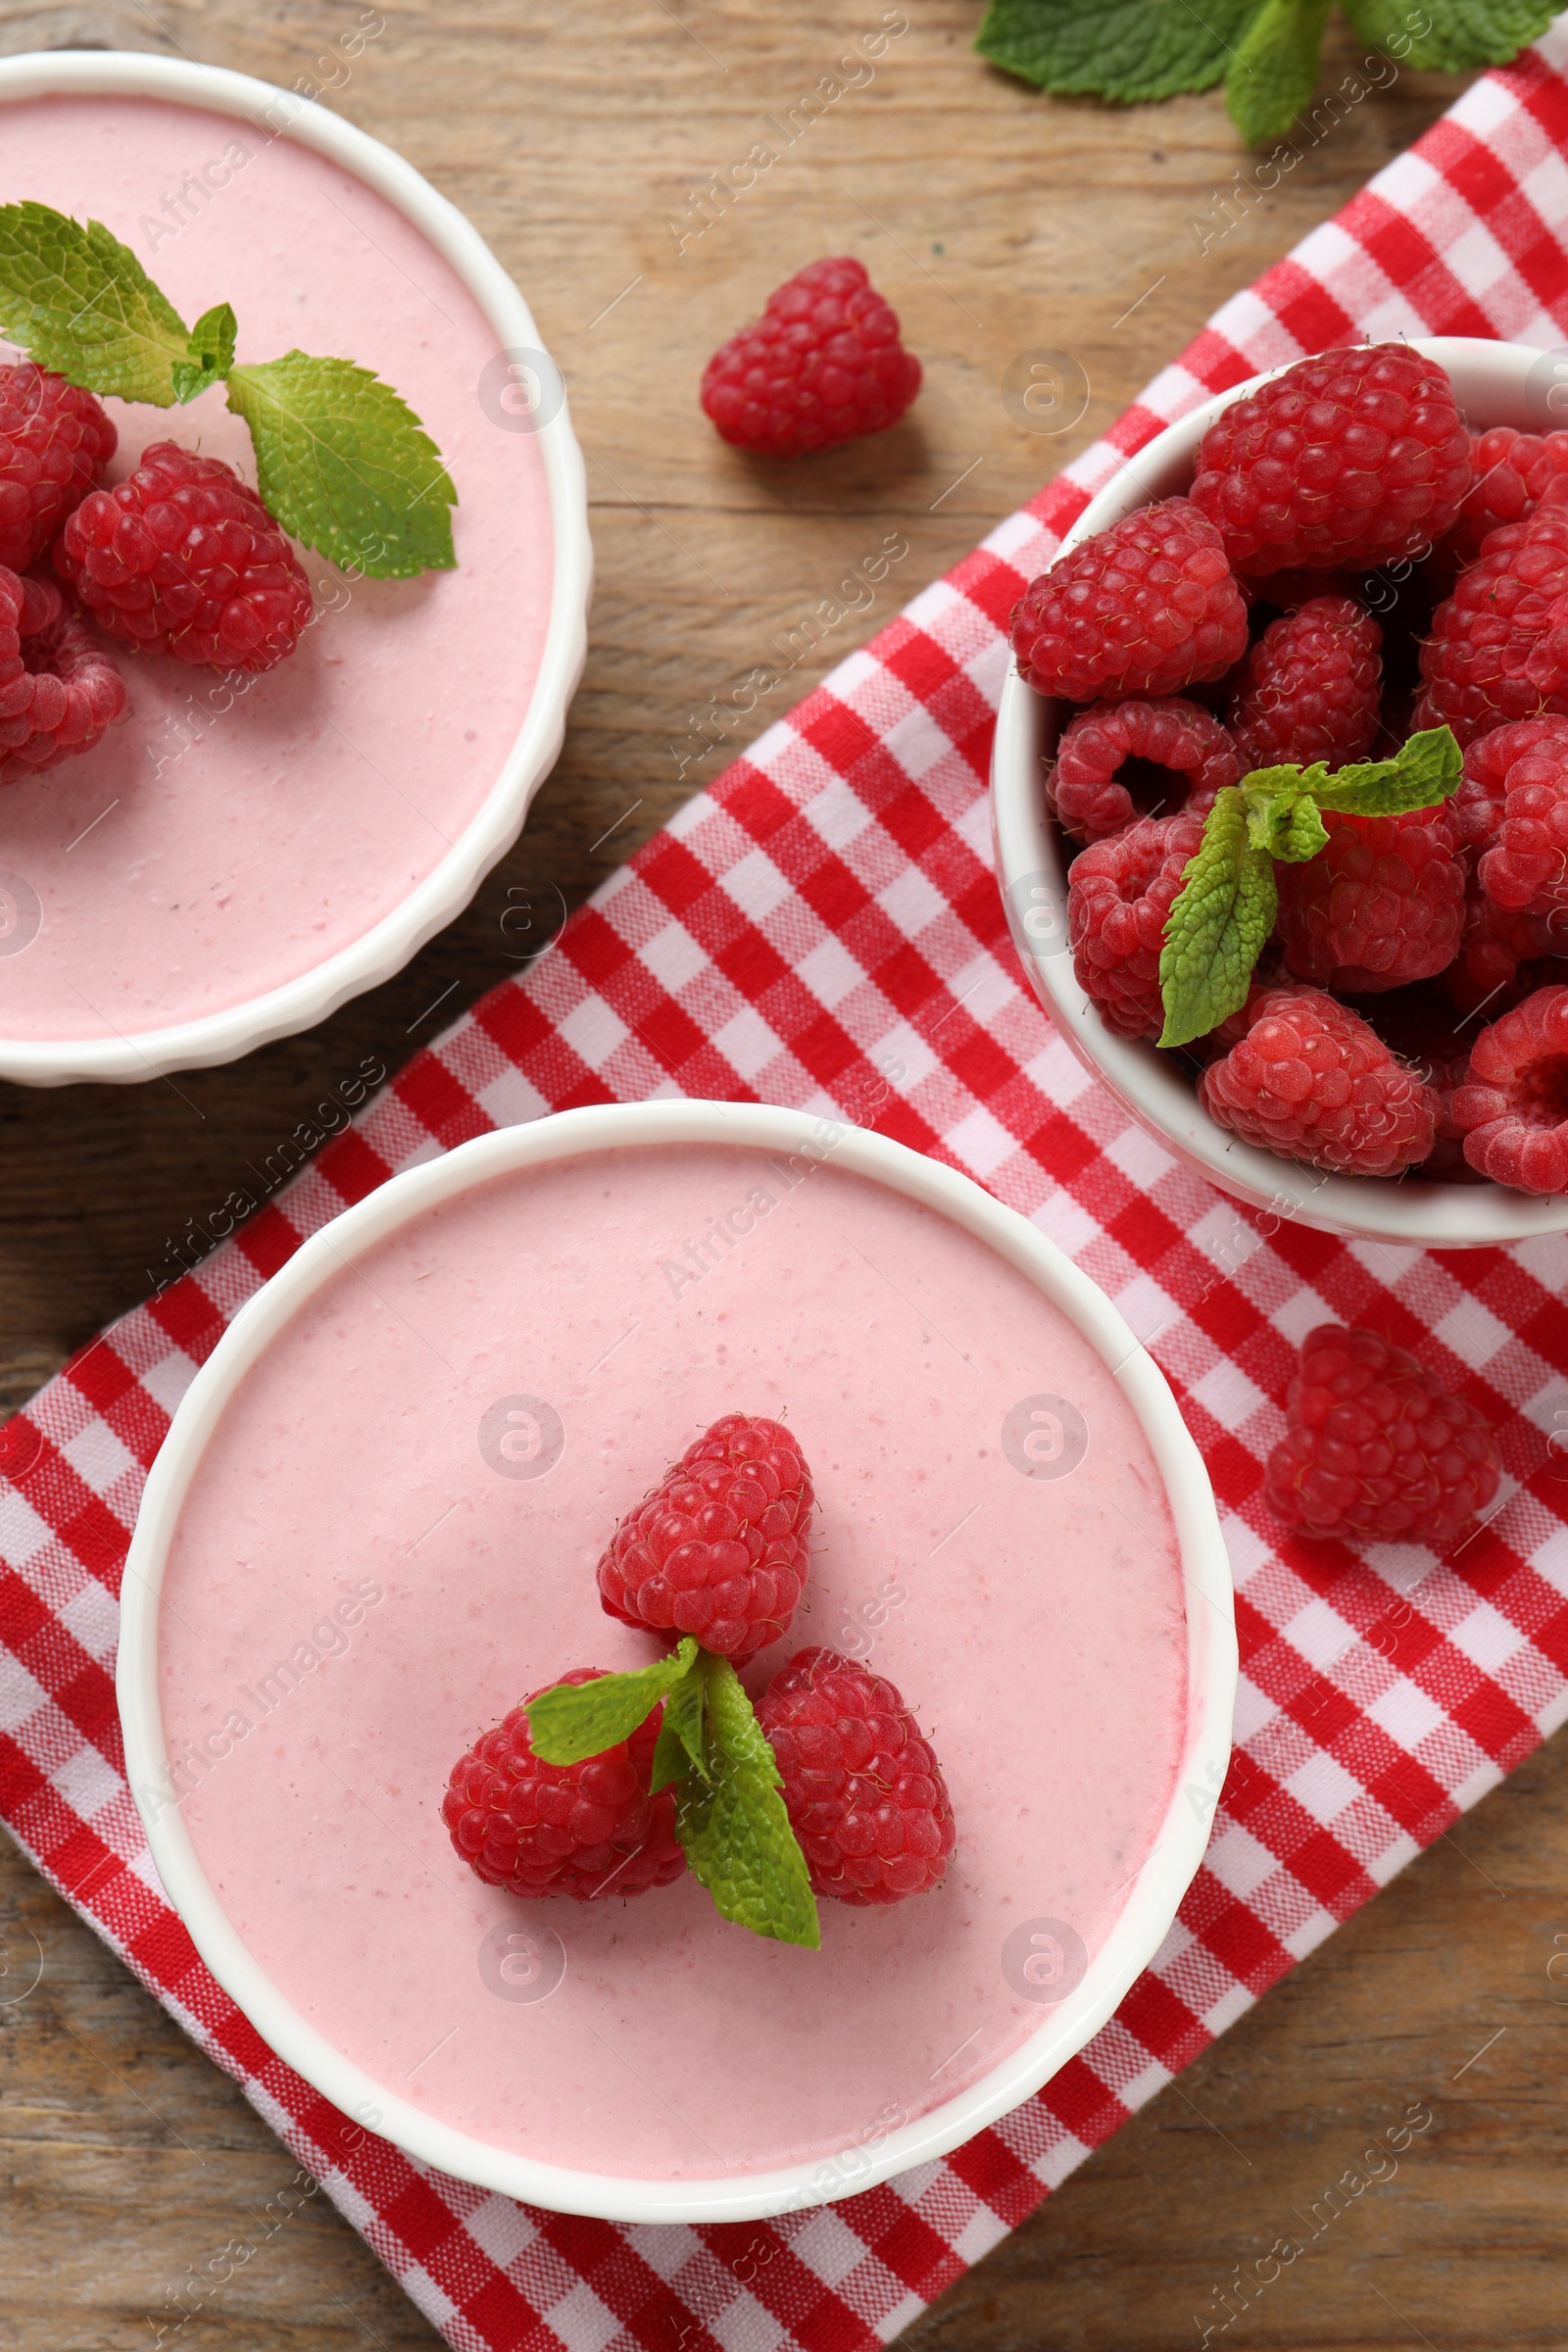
<point>575,132</point>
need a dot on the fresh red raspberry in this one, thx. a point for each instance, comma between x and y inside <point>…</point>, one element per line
<point>1313,1082</point>
<point>1513,472</point>
<point>719,1548</point>
<point>864,1792</point>
<point>1310,690</point>
<point>184,558</point>
<point>59,690</point>
<point>1496,949</point>
<point>1478,664</point>
<point>1119,893</point>
<point>586,1830</point>
<point>821,366</point>
<point>1513,1106</point>
<point>1376,1448</point>
<point>55,441</point>
<point>1148,606</point>
<point>1091,797</point>
<point>1512,807</point>
<point>1383,903</point>
<point>1350,459</point>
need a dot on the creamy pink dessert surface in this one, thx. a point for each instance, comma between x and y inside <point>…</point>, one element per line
<point>240,839</point>
<point>372,1566</point>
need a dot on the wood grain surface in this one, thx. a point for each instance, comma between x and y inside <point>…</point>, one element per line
<point>574,134</point>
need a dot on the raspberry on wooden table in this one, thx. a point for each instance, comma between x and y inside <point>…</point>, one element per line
<point>719,1548</point>
<point>59,690</point>
<point>1310,690</point>
<point>1119,893</point>
<point>1148,606</point>
<point>1512,807</point>
<point>1479,665</point>
<point>184,558</point>
<point>823,365</point>
<point>1091,796</point>
<point>588,1829</point>
<point>1383,903</point>
<point>1375,1447</point>
<point>1513,1105</point>
<point>55,441</point>
<point>1349,460</point>
<point>1312,1081</point>
<point>863,1790</point>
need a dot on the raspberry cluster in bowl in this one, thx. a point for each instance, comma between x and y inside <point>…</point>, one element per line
<point>1352,567</point>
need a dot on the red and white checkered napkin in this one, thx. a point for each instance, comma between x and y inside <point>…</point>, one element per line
<point>829,901</point>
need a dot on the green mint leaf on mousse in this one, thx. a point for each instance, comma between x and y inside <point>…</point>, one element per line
<point>733,1824</point>
<point>78,301</point>
<point>1455,34</point>
<point>1274,71</point>
<point>577,1720</point>
<point>212,352</point>
<point>1129,50</point>
<point>346,465</point>
<point>681,1744</point>
<point>1225,908</point>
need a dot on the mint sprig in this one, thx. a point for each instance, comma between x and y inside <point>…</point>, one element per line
<point>729,1813</point>
<point>1225,909</point>
<point>342,461</point>
<point>1266,52</point>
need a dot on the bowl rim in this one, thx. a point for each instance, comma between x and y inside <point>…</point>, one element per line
<point>1177,1847</point>
<point>1031,872</point>
<point>391,942</point>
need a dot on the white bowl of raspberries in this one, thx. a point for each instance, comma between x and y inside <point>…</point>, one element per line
<point>1280,791</point>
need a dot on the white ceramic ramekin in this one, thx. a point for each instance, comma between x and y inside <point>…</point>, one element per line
<point>443,892</point>
<point>1496,383</point>
<point>1177,1847</point>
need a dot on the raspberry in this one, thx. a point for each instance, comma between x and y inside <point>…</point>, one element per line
<point>864,1792</point>
<point>584,1829</point>
<point>1512,807</point>
<point>1119,893</point>
<point>1374,1447</point>
<point>1513,1106</point>
<point>1148,606</point>
<point>821,366</point>
<point>1349,459</point>
<point>1494,945</point>
<point>1381,904</point>
<point>58,690</point>
<point>1313,1082</point>
<point>1091,798</point>
<point>184,558</point>
<point>1311,689</point>
<point>1514,471</point>
<point>1478,662</point>
<point>719,1548</point>
<point>55,442</point>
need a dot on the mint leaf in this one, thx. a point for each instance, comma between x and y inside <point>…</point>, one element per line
<point>680,1743</point>
<point>1216,928</point>
<point>1129,50</point>
<point>79,302</point>
<point>1424,771</point>
<point>734,1827</point>
<point>346,465</point>
<point>1287,825</point>
<point>212,352</point>
<point>1449,35</point>
<point>576,1720</point>
<point>1274,71</point>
